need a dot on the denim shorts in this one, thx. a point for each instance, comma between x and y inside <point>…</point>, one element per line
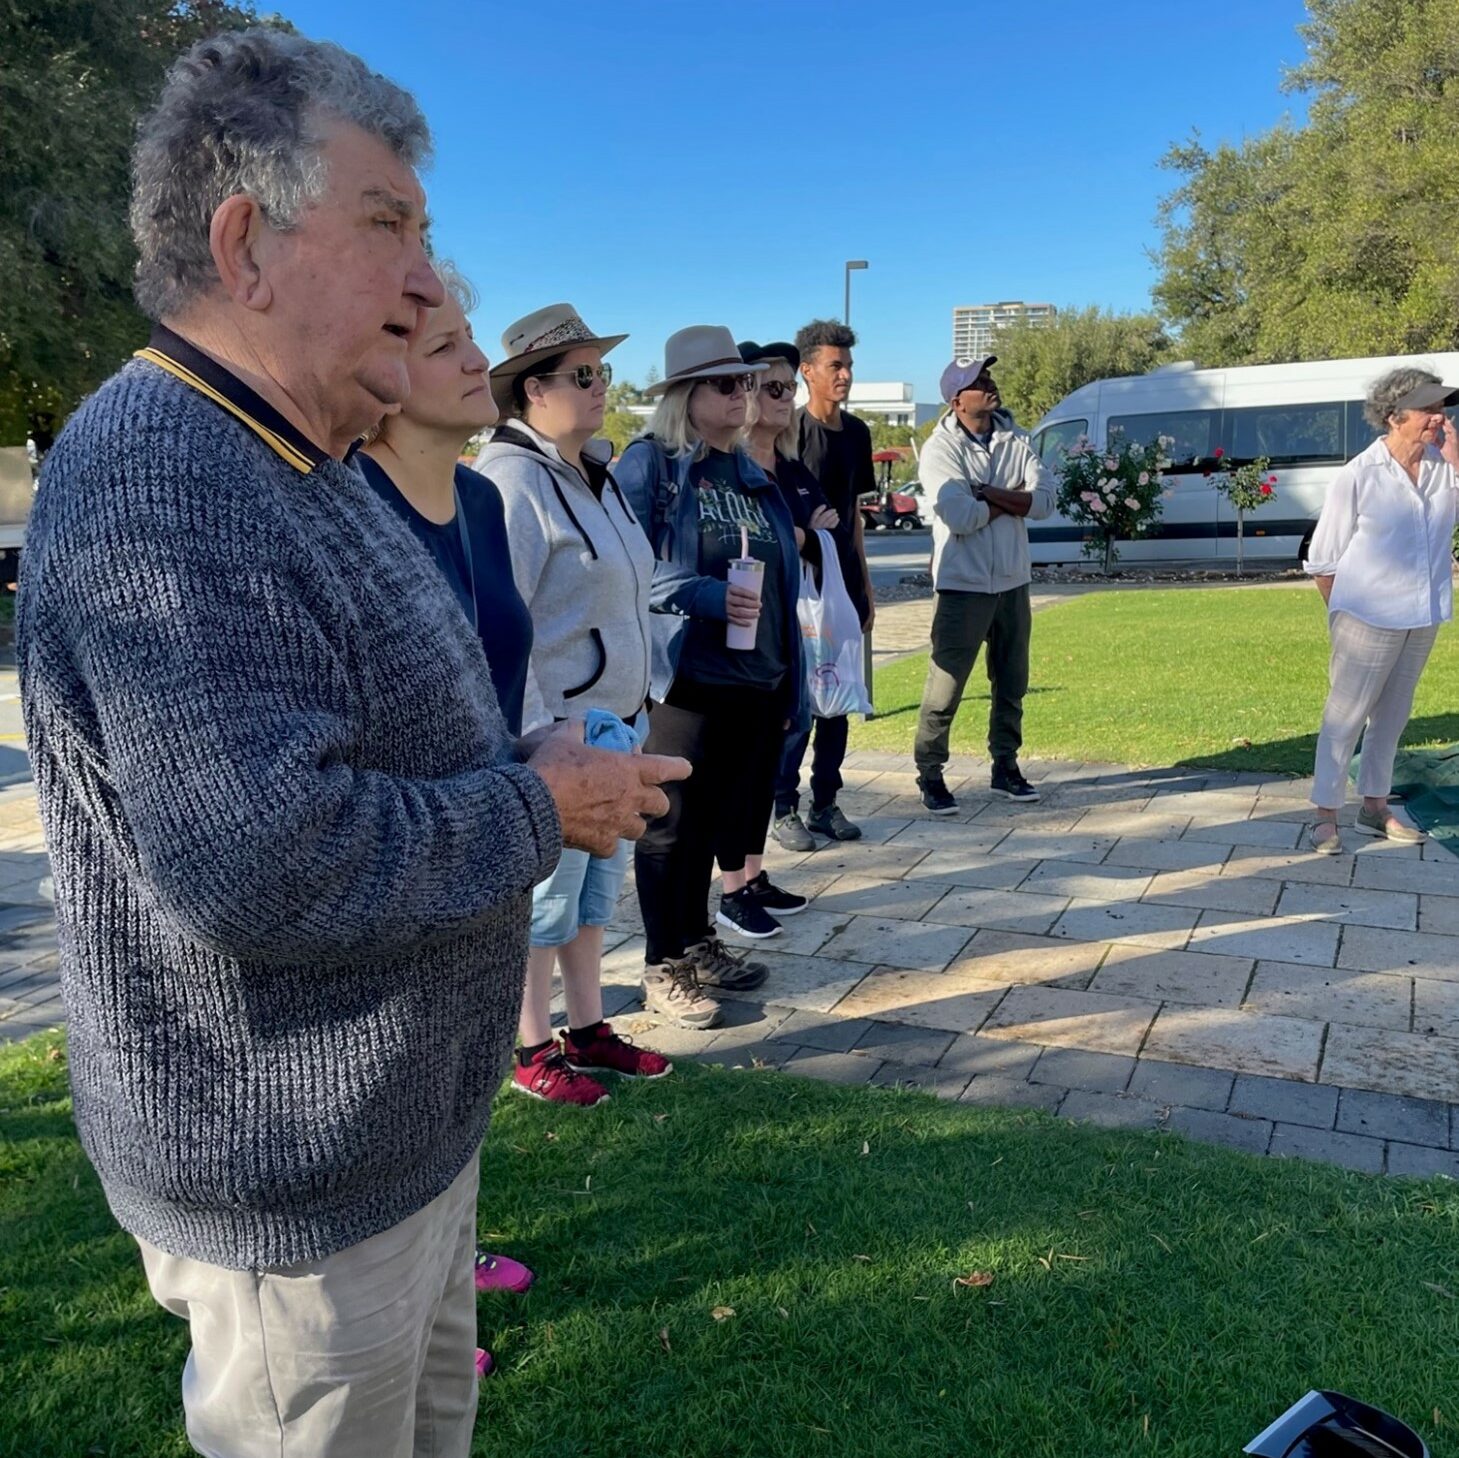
<point>582,891</point>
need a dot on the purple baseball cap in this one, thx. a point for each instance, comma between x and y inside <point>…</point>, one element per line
<point>961,373</point>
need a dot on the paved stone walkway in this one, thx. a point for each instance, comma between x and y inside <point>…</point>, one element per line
<point>1145,948</point>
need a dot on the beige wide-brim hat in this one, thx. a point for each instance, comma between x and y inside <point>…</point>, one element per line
<point>553,330</point>
<point>701,352</point>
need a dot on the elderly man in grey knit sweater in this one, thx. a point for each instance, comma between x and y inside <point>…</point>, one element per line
<point>292,843</point>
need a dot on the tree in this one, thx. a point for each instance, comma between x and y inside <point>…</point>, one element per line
<point>620,427</point>
<point>1337,237</point>
<point>1039,362</point>
<point>74,78</point>
<point>620,424</point>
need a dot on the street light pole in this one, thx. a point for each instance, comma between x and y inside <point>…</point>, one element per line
<point>866,658</point>
<point>850,264</point>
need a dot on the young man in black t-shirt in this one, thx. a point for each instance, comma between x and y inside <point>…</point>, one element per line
<point>836,448</point>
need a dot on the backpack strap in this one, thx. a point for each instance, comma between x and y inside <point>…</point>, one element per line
<point>666,489</point>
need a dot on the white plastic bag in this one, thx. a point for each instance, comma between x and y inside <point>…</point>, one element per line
<point>830,633</point>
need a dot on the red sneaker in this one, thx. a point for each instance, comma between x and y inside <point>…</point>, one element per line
<point>548,1075</point>
<point>616,1055</point>
<point>500,1273</point>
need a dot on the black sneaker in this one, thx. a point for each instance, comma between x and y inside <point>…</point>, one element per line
<point>790,833</point>
<point>742,913</point>
<point>771,898</point>
<point>833,823</point>
<point>935,795</point>
<point>716,966</point>
<point>1009,782</point>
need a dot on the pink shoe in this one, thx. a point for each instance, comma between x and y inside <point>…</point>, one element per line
<point>612,1054</point>
<point>484,1363</point>
<point>500,1273</point>
<point>551,1077</point>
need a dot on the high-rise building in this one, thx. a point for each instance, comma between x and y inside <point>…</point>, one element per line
<point>973,325</point>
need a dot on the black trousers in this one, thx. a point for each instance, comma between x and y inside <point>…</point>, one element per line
<point>732,737</point>
<point>830,754</point>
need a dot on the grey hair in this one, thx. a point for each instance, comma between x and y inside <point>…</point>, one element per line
<point>1387,390</point>
<point>457,285</point>
<point>787,442</point>
<point>239,113</point>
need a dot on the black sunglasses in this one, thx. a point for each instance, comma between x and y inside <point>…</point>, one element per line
<point>728,384</point>
<point>583,376</point>
<point>778,389</point>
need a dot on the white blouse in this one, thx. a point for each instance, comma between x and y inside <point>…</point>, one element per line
<point>1387,543</point>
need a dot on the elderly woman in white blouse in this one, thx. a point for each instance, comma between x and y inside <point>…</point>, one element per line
<point>1382,557</point>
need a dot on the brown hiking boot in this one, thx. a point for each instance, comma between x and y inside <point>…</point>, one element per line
<point>671,991</point>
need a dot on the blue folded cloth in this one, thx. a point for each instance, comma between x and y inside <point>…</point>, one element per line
<point>605,730</point>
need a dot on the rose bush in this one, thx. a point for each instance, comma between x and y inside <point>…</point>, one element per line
<point>1248,487</point>
<point>1116,494</point>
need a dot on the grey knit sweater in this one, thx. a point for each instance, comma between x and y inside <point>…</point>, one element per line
<point>292,853</point>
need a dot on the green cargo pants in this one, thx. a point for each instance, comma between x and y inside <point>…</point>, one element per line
<point>962,623</point>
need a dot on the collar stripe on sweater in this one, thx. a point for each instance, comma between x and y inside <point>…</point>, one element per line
<point>173,353</point>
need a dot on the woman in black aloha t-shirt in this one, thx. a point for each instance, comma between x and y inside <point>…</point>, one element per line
<point>700,496</point>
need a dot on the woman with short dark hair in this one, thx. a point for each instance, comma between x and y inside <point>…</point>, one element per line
<point>1382,557</point>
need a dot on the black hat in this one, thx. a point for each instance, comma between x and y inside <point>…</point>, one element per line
<point>1428,397</point>
<point>753,353</point>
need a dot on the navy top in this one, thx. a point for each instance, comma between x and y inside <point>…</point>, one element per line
<point>502,620</point>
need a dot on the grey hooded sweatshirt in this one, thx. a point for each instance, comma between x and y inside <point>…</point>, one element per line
<point>583,566</point>
<point>970,552</point>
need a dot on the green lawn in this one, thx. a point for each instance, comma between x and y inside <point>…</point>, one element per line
<point>1147,1296</point>
<point>1169,677</point>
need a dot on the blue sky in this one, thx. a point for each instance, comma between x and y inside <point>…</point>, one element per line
<point>676,162</point>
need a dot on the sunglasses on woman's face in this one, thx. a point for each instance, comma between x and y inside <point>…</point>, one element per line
<point>583,376</point>
<point>779,389</point>
<point>728,384</point>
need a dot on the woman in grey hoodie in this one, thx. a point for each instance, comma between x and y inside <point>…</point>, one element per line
<point>584,569</point>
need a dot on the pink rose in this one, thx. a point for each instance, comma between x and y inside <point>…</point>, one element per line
<point>1132,503</point>
<point>1144,479</point>
<point>1096,505</point>
<point>1110,464</point>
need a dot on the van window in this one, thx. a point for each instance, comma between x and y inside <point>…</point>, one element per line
<point>1288,435</point>
<point>1193,431</point>
<point>1360,434</point>
<point>1059,436</point>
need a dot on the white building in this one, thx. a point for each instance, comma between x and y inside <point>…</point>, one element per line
<point>974,325</point>
<point>889,401</point>
<point>892,402</point>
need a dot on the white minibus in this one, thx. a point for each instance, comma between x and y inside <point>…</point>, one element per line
<point>1307,419</point>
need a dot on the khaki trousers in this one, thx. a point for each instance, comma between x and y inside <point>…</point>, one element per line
<point>1372,675</point>
<point>962,622</point>
<point>369,1353</point>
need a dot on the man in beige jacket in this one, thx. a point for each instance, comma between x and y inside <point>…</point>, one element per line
<point>983,479</point>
